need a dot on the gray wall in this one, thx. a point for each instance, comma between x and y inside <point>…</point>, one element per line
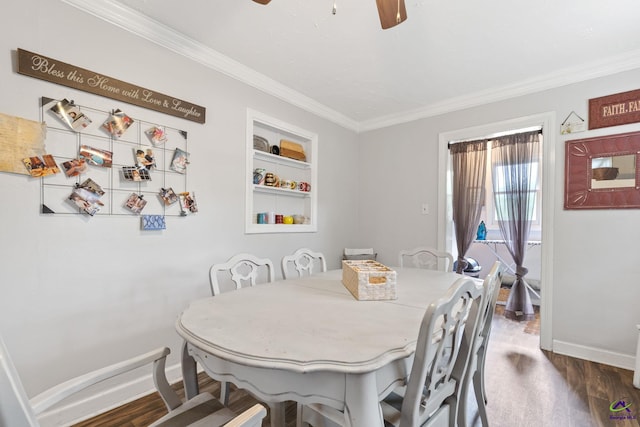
<point>595,289</point>
<point>77,293</point>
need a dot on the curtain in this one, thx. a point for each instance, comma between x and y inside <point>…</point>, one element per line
<point>515,166</point>
<point>469,165</point>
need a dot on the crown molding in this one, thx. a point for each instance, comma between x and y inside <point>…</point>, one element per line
<point>143,26</point>
<point>137,23</point>
<point>600,68</point>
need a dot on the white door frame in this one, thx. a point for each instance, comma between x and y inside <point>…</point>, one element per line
<point>445,233</point>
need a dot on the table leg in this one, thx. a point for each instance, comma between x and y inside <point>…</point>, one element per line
<point>277,414</point>
<point>361,401</point>
<point>189,374</point>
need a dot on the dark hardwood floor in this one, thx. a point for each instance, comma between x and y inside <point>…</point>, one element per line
<point>526,387</point>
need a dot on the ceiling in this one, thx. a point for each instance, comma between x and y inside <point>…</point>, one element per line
<point>447,55</point>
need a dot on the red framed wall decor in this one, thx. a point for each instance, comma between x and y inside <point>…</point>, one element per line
<point>612,184</point>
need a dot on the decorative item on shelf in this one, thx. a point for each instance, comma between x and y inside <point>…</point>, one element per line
<point>292,150</point>
<point>275,150</point>
<point>287,219</point>
<point>482,231</point>
<point>298,219</point>
<point>288,184</point>
<point>279,219</point>
<point>270,179</point>
<point>258,176</point>
<point>369,280</point>
<point>260,143</point>
<point>304,186</point>
<point>605,174</point>
<point>262,218</point>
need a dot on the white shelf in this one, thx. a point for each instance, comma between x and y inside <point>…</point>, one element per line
<point>261,198</point>
<point>282,191</point>
<point>268,157</point>
<point>280,228</point>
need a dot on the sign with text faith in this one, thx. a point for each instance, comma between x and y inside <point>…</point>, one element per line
<point>613,110</point>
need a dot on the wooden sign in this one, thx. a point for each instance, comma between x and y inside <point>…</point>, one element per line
<point>51,70</point>
<point>613,110</point>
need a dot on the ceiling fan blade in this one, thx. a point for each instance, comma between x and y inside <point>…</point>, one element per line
<point>262,1</point>
<point>392,12</point>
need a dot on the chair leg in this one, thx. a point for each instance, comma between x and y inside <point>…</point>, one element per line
<point>480,399</point>
<point>480,373</point>
<point>463,399</point>
<point>478,384</point>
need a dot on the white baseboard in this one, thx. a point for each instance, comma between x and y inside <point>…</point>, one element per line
<point>104,400</point>
<point>95,403</point>
<point>598,355</point>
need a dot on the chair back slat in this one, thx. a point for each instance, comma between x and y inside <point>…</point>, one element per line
<point>425,257</point>
<point>243,269</point>
<point>303,262</point>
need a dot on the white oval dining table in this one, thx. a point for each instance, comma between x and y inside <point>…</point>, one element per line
<point>309,340</point>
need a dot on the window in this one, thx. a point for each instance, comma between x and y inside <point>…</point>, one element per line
<point>501,196</point>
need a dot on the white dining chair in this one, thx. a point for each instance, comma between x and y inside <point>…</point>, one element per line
<point>242,269</point>
<point>303,262</point>
<point>425,257</point>
<point>17,410</point>
<point>430,396</point>
<point>474,377</point>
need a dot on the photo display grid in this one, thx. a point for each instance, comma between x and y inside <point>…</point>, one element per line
<point>135,163</point>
